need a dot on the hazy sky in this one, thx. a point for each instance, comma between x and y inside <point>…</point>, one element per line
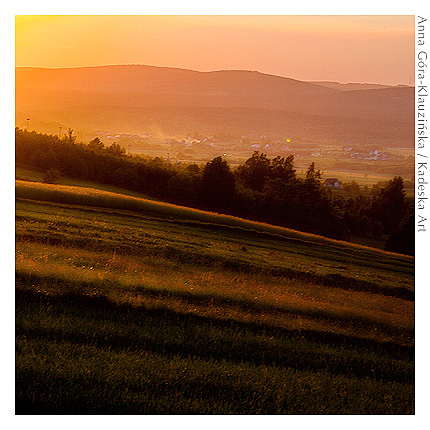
<point>376,49</point>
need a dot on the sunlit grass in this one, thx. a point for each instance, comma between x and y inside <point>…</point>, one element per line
<point>209,244</point>
<point>136,260</point>
<point>131,274</point>
<point>24,173</point>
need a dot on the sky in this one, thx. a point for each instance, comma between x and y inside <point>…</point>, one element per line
<point>351,48</point>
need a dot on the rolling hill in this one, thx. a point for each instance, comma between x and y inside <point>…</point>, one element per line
<point>172,102</point>
<point>130,306</point>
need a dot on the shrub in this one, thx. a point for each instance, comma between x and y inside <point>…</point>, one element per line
<point>52,176</point>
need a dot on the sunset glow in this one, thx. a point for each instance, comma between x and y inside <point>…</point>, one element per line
<point>375,49</point>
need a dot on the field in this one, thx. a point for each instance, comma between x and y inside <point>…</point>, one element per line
<point>131,306</point>
<point>32,174</point>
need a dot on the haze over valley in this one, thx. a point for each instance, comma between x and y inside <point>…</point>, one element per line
<point>196,115</point>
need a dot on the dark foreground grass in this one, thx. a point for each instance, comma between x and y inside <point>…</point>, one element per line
<point>120,312</point>
<point>321,316</point>
<point>80,355</point>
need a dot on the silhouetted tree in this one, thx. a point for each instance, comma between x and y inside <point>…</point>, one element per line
<point>193,169</point>
<point>254,172</point>
<point>283,168</point>
<point>351,187</point>
<point>125,177</point>
<point>389,206</point>
<point>217,187</point>
<point>403,238</point>
<point>313,176</point>
<point>96,144</point>
<point>70,138</point>
<point>49,160</point>
<point>116,150</point>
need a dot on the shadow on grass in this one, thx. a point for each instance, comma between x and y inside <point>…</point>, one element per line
<point>224,263</point>
<point>81,289</point>
<point>94,396</point>
<point>221,339</point>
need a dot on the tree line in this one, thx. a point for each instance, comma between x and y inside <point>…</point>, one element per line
<point>261,189</point>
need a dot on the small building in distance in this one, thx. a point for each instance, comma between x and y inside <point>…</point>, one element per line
<point>332,183</point>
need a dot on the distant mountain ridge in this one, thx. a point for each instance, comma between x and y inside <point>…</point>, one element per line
<point>353,86</point>
<point>250,102</point>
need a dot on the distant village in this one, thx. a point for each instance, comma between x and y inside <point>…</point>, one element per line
<point>197,148</point>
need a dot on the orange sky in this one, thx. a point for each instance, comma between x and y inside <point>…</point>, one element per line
<point>378,49</point>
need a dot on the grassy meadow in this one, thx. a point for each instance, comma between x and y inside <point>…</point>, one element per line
<point>130,306</point>
<point>32,174</point>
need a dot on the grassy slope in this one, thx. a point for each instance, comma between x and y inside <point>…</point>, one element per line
<point>160,311</point>
<point>32,174</point>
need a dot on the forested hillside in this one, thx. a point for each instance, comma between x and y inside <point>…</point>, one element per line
<point>262,189</point>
